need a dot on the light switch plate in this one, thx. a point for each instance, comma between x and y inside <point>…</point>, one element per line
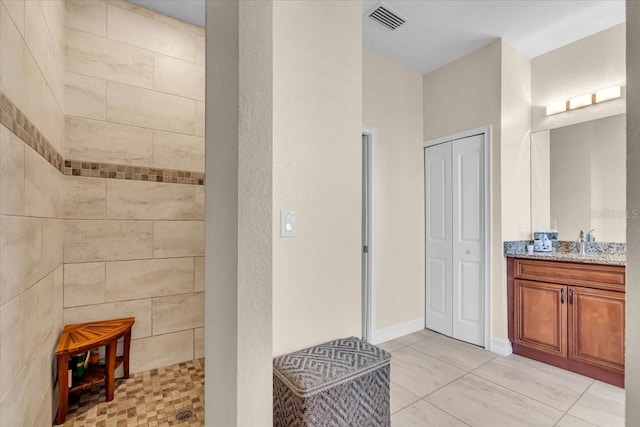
<point>287,224</point>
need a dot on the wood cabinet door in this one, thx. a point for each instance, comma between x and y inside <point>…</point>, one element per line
<point>540,316</point>
<point>596,327</point>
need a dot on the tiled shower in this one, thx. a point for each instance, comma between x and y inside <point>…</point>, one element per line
<point>101,187</point>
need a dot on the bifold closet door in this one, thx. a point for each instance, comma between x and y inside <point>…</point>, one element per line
<point>439,238</point>
<point>468,239</point>
<point>455,198</point>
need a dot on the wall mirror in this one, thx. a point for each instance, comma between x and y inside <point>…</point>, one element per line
<point>578,179</point>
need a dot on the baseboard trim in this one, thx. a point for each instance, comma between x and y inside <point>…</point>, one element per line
<point>501,346</point>
<point>398,331</point>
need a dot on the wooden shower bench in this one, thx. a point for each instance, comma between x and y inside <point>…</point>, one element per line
<point>81,338</point>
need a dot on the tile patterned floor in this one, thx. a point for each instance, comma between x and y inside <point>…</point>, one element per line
<point>435,381</point>
<point>438,381</point>
<point>151,398</point>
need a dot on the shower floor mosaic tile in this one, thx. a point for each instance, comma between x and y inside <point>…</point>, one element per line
<point>152,398</point>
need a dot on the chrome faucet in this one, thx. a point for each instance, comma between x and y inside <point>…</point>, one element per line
<point>582,243</point>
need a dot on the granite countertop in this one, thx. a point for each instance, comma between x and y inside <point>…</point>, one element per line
<point>589,258</point>
<point>597,253</point>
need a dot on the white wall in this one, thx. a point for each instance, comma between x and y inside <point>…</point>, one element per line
<point>284,122</point>
<point>515,144</point>
<point>632,357</point>
<point>515,176</point>
<point>255,195</point>
<point>221,213</point>
<point>490,86</point>
<point>317,126</point>
<point>462,95</point>
<point>392,105</point>
<point>595,62</point>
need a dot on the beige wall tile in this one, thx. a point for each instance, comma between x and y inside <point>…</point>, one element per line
<point>200,118</point>
<point>124,4</point>
<point>147,108</point>
<point>85,96</point>
<point>52,246</point>
<point>16,11</point>
<point>176,151</point>
<point>54,16</point>
<point>87,15</point>
<point>200,201</point>
<point>199,274</point>
<point>179,24</point>
<point>177,313</point>
<point>34,380</point>
<point>31,248</point>
<point>198,346</point>
<point>84,197</point>
<point>151,34</point>
<point>24,323</point>
<point>148,278</point>
<point>56,323</point>
<point>43,415</point>
<point>178,77</point>
<point>162,350</point>
<point>178,238</point>
<point>96,141</point>
<point>11,173</point>
<point>21,243</point>
<point>200,49</point>
<point>43,48</point>
<point>95,240</point>
<point>150,200</point>
<point>52,126</point>
<point>84,284</point>
<point>42,187</point>
<point>20,77</point>
<point>108,59</point>
<point>140,309</point>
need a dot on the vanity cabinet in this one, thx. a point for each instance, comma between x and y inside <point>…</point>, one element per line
<point>570,315</point>
<point>540,316</point>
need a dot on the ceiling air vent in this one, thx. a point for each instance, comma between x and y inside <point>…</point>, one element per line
<point>385,16</point>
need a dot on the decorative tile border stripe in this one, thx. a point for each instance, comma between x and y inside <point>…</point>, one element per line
<point>14,120</point>
<point>136,173</point>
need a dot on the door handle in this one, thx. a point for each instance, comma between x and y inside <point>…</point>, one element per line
<point>571,296</point>
<point>562,296</point>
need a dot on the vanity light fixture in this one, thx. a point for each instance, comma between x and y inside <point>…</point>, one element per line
<point>580,101</point>
<point>608,94</point>
<point>585,100</point>
<point>558,107</point>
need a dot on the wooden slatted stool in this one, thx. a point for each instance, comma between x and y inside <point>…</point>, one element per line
<point>81,338</point>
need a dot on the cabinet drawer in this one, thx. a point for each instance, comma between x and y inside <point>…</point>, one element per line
<point>610,277</point>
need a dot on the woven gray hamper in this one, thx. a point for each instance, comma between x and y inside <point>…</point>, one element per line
<point>340,383</point>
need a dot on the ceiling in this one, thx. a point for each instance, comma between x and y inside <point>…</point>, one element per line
<point>191,11</point>
<point>440,31</point>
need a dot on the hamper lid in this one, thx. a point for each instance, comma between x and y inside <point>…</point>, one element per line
<point>318,368</point>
